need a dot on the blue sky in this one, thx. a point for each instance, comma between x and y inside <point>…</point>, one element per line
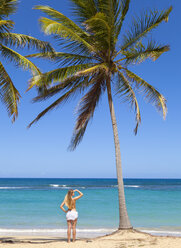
<point>41,151</point>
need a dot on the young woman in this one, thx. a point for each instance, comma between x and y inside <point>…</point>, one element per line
<point>72,214</point>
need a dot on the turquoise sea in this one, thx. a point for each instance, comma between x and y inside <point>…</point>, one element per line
<point>32,206</point>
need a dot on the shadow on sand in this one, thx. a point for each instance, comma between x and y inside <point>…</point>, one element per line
<point>31,240</point>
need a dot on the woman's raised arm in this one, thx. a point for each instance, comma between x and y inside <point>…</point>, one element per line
<point>79,196</point>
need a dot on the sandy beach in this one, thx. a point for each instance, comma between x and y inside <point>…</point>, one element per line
<point>119,239</point>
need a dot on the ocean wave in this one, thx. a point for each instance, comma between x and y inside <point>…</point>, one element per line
<point>7,187</point>
<point>132,186</point>
<point>54,185</point>
<point>64,186</point>
<point>59,186</point>
<point>40,187</point>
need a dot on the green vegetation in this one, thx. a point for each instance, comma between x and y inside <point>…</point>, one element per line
<point>8,93</point>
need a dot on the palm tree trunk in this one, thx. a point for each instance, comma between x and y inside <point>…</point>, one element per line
<point>124,222</point>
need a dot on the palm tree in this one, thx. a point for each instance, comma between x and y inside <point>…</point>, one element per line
<point>95,57</point>
<point>8,92</point>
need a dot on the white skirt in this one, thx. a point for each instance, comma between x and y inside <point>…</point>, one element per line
<point>72,215</point>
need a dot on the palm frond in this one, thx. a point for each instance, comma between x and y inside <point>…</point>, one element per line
<point>52,91</point>
<point>111,10</point>
<point>94,69</point>
<point>126,92</point>
<point>151,95</point>
<point>63,58</point>
<point>64,20</point>
<point>57,75</point>
<point>140,53</point>
<point>143,25</point>
<point>9,95</point>
<point>52,27</point>
<point>83,9</point>
<point>85,112</point>
<point>63,87</point>
<point>21,41</point>
<point>5,26</point>
<point>73,47</point>
<point>18,59</point>
<point>123,9</point>
<point>108,7</point>
<point>100,29</point>
<point>7,7</point>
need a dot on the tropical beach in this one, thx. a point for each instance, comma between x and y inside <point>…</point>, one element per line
<point>153,206</point>
<point>103,170</point>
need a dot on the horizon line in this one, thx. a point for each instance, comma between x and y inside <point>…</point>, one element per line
<point>88,178</point>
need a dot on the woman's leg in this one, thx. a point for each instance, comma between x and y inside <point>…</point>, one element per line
<point>68,230</point>
<point>74,222</point>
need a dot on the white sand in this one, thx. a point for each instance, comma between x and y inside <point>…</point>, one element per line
<point>119,239</point>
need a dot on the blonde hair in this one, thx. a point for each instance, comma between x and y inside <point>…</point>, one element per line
<point>68,199</point>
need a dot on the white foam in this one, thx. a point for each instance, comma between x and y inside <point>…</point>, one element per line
<point>59,186</point>
<point>14,187</point>
<point>127,186</point>
<point>54,185</point>
<point>62,187</point>
<point>55,232</point>
<point>162,232</point>
<point>80,232</point>
<point>132,186</point>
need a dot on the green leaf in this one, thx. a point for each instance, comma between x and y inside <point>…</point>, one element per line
<point>150,93</point>
<point>7,7</point>
<point>59,17</point>
<point>126,92</point>
<point>18,59</point>
<point>21,41</point>
<point>140,53</point>
<point>101,31</point>
<point>57,75</point>
<point>52,27</point>
<point>143,25</point>
<point>92,70</point>
<point>8,93</point>
<point>85,112</point>
<point>120,18</point>
<point>63,58</point>
<point>5,26</point>
<point>84,9</point>
<point>60,100</point>
<point>64,86</point>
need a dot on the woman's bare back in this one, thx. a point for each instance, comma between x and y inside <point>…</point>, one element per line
<point>73,204</point>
